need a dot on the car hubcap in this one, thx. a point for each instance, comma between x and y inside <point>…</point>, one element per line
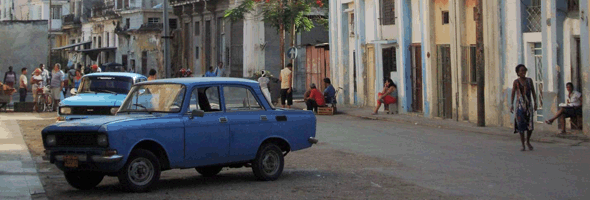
<point>141,171</point>
<point>270,163</point>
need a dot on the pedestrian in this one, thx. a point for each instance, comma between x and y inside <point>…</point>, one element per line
<point>23,85</point>
<point>572,107</point>
<point>56,84</point>
<point>263,81</point>
<point>524,88</point>
<point>329,92</point>
<point>211,73</point>
<point>315,99</point>
<point>45,74</point>
<point>152,75</point>
<point>221,71</point>
<point>70,80</point>
<point>77,79</point>
<point>95,69</point>
<point>36,87</point>
<point>286,78</point>
<point>387,96</point>
<point>10,77</point>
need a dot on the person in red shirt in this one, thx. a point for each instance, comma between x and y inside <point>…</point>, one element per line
<point>315,99</point>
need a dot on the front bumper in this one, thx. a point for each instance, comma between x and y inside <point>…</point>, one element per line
<point>77,117</point>
<point>89,160</point>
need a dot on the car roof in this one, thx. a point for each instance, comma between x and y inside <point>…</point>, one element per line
<point>191,81</point>
<point>127,74</point>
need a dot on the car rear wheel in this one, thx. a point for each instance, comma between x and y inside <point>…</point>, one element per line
<point>83,180</point>
<point>140,172</point>
<point>208,171</point>
<point>269,162</point>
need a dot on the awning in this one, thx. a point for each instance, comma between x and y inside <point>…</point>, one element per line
<point>93,53</point>
<point>72,45</point>
<point>384,42</point>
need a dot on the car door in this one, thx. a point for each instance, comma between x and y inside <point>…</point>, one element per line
<point>207,137</point>
<point>249,121</point>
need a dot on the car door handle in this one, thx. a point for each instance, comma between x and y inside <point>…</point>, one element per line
<point>281,118</point>
<point>263,118</point>
<point>222,120</point>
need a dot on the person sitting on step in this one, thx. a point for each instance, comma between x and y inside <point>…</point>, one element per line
<point>315,99</point>
<point>387,96</point>
<point>572,108</point>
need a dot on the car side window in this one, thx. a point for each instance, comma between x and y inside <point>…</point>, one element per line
<point>205,99</point>
<point>240,99</point>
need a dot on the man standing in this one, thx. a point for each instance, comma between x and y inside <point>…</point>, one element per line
<point>57,78</point>
<point>44,73</point>
<point>221,72</point>
<point>286,86</point>
<point>152,75</point>
<point>23,85</point>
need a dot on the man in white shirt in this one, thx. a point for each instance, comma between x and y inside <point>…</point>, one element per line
<point>23,85</point>
<point>573,105</point>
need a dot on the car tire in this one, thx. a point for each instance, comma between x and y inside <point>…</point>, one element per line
<point>269,162</point>
<point>83,180</point>
<point>140,172</point>
<point>209,171</point>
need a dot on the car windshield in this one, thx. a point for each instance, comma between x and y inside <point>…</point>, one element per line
<point>106,84</point>
<point>154,98</point>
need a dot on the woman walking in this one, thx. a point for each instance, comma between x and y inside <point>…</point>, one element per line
<point>387,96</point>
<point>524,88</point>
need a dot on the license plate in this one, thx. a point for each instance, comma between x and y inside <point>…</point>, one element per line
<point>71,161</point>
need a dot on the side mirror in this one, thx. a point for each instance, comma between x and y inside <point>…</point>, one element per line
<point>198,113</point>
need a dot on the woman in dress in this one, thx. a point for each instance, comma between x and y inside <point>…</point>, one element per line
<point>387,96</point>
<point>524,88</point>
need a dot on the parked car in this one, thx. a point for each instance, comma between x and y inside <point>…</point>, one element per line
<point>201,123</point>
<point>99,95</point>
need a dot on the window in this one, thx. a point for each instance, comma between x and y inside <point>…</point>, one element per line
<point>99,42</point>
<point>126,2</point>
<point>351,24</point>
<point>127,23</point>
<point>473,63</point>
<point>240,99</point>
<point>445,17</point>
<point>56,12</point>
<point>153,20</point>
<point>389,61</point>
<point>205,99</point>
<point>120,4</point>
<point>108,39</point>
<point>388,12</point>
<point>173,24</point>
<point>72,41</point>
<point>197,28</point>
<point>197,53</point>
<point>573,5</point>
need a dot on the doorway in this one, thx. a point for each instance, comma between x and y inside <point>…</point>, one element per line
<point>576,71</point>
<point>445,95</point>
<point>144,70</point>
<point>417,99</point>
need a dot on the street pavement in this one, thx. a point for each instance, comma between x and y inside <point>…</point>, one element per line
<point>18,173</point>
<point>465,163</point>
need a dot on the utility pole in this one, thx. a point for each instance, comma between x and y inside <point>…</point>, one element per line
<point>166,38</point>
<point>480,63</point>
<point>49,35</point>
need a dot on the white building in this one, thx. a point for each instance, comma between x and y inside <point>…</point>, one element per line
<point>39,10</point>
<point>13,10</point>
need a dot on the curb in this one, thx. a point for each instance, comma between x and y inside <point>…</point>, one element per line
<point>549,140</point>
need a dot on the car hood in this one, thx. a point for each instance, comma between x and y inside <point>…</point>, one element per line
<point>93,124</point>
<point>95,99</point>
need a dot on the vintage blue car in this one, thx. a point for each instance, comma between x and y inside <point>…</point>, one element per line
<point>99,95</point>
<point>202,123</point>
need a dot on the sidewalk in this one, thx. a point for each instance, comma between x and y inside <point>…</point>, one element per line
<point>18,172</point>
<point>543,133</point>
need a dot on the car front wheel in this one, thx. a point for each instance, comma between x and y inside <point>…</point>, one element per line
<point>269,162</point>
<point>208,171</point>
<point>83,180</point>
<point>140,172</point>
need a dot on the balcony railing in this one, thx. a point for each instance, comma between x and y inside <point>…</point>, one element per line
<point>102,11</point>
<point>534,19</point>
<point>70,19</point>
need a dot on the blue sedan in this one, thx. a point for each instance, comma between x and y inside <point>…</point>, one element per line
<point>201,123</point>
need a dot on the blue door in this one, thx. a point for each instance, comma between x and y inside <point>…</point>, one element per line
<point>207,137</point>
<point>249,122</point>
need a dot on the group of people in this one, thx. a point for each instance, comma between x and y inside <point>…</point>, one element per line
<point>219,71</point>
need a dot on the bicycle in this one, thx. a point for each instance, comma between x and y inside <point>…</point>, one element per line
<point>44,101</point>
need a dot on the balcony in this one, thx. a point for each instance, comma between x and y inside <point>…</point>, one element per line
<point>103,11</point>
<point>70,20</point>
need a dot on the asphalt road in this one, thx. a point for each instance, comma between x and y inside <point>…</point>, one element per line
<point>462,163</point>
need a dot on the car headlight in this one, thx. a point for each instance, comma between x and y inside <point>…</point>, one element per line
<point>50,140</point>
<point>114,110</point>
<point>102,140</point>
<point>65,111</point>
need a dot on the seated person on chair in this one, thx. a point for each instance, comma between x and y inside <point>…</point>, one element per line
<point>387,96</point>
<point>315,99</point>
<point>329,92</point>
<point>573,105</point>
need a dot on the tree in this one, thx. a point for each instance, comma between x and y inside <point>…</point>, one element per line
<point>283,15</point>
